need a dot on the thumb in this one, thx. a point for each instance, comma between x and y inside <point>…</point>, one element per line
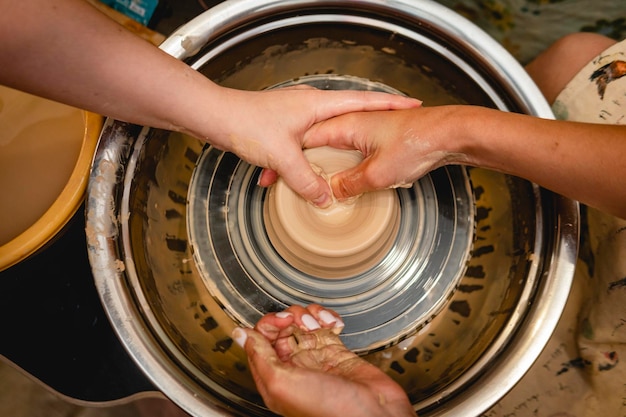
<point>262,358</point>
<point>253,342</point>
<point>304,181</point>
<point>351,182</point>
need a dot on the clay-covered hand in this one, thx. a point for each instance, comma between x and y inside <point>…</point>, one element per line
<point>569,158</point>
<point>398,147</point>
<point>267,129</point>
<point>301,368</point>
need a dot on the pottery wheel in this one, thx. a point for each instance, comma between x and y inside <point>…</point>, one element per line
<point>387,262</point>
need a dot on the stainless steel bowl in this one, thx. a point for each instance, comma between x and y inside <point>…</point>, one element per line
<point>173,226</point>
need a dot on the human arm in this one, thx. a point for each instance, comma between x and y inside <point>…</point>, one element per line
<point>68,51</point>
<point>302,369</point>
<point>582,161</point>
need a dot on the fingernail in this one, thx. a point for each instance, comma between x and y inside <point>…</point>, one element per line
<point>310,323</point>
<point>239,336</point>
<point>339,324</point>
<point>283,314</point>
<point>327,317</point>
<point>323,201</point>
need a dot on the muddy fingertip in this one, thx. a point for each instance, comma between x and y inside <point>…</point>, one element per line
<point>240,336</point>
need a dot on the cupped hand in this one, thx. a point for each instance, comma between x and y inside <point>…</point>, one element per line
<point>398,146</point>
<point>301,368</point>
<point>267,128</point>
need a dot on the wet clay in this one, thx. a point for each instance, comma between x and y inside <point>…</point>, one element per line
<point>40,141</point>
<point>342,240</point>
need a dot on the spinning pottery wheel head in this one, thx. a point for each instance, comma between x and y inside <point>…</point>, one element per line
<point>395,256</point>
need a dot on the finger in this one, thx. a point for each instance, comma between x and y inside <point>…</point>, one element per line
<point>326,317</point>
<point>299,176</point>
<point>303,318</point>
<point>286,346</point>
<point>301,321</point>
<point>340,132</point>
<point>351,182</point>
<point>283,353</point>
<point>315,317</point>
<point>273,325</point>
<point>263,360</point>
<point>334,103</point>
<point>267,177</point>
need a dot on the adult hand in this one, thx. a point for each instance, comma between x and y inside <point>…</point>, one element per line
<point>110,71</point>
<point>301,368</point>
<point>398,147</point>
<point>582,161</point>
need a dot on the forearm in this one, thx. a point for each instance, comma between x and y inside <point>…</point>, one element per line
<point>68,51</point>
<point>582,161</point>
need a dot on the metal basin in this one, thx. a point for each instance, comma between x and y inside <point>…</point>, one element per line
<point>482,262</point>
